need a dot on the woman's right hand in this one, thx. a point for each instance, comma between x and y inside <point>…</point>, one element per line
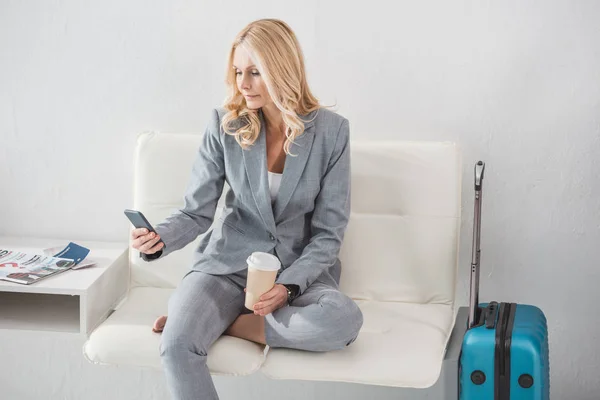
<point>145,242</point>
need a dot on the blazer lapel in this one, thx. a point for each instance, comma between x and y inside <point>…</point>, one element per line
<point>294,167</point>
<point>255,160</point>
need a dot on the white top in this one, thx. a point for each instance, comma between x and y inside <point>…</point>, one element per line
<point>274,183</point>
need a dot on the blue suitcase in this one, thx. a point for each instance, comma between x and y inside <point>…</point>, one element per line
<point>504,353</point>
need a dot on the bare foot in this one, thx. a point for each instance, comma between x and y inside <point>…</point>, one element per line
<point>159,324</point>
<point>248,326</point>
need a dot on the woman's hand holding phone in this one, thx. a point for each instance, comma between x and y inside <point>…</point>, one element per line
<point>144,237</point>
<point>145,241</point>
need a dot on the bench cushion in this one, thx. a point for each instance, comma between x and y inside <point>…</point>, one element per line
<point>399,262</point>
<point>126,338</point>
<point>400,344</point>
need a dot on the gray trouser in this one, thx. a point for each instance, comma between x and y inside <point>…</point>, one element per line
<point>203,306</point>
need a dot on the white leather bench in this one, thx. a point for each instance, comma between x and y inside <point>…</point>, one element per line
<point>399,262</point>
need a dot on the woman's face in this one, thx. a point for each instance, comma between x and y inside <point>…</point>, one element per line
<point>249,81</point>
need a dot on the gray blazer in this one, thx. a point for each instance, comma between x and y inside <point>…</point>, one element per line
<point>305,225</point>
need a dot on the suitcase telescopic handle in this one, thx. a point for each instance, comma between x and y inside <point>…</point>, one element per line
<point>479,168</point>
<point>475,258</point>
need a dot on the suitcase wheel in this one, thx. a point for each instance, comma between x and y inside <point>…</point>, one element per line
<point>478,377</point>
<point>526,381</point>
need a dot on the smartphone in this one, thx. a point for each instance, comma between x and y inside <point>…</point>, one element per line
<point>139,220</point>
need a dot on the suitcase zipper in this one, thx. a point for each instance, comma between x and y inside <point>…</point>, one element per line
<point>502,351</point>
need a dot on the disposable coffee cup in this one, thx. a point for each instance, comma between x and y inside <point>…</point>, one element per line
<point>262,272</point>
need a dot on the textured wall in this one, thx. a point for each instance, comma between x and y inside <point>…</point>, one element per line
<point>516,83</point>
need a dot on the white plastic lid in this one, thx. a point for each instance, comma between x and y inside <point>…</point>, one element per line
<point>263,261</point>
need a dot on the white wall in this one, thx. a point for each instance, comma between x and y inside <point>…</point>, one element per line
<point>516,83</point>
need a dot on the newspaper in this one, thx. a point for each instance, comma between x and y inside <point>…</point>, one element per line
<point>27,268</point>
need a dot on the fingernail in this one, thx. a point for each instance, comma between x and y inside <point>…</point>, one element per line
<point>145,231</point>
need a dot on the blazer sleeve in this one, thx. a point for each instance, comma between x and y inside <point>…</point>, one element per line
<point>201,196</point>
<point>329,220</point>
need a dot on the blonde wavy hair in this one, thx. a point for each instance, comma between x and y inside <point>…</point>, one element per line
<point>278,57</point>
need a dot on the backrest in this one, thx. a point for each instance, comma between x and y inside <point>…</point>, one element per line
<point>163,163</point>
<point>402,240</point>
<point>401,243</point>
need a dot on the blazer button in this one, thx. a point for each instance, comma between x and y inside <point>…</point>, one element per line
<point>272,237</point>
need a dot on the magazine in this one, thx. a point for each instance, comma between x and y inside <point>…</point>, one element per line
<point>28,268</point>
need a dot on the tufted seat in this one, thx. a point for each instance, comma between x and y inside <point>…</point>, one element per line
<point>399,262</point>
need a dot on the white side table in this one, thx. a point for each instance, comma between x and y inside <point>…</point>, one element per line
<point>75,301</point>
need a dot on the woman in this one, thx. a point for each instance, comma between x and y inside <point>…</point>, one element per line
<point>287,163</point>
